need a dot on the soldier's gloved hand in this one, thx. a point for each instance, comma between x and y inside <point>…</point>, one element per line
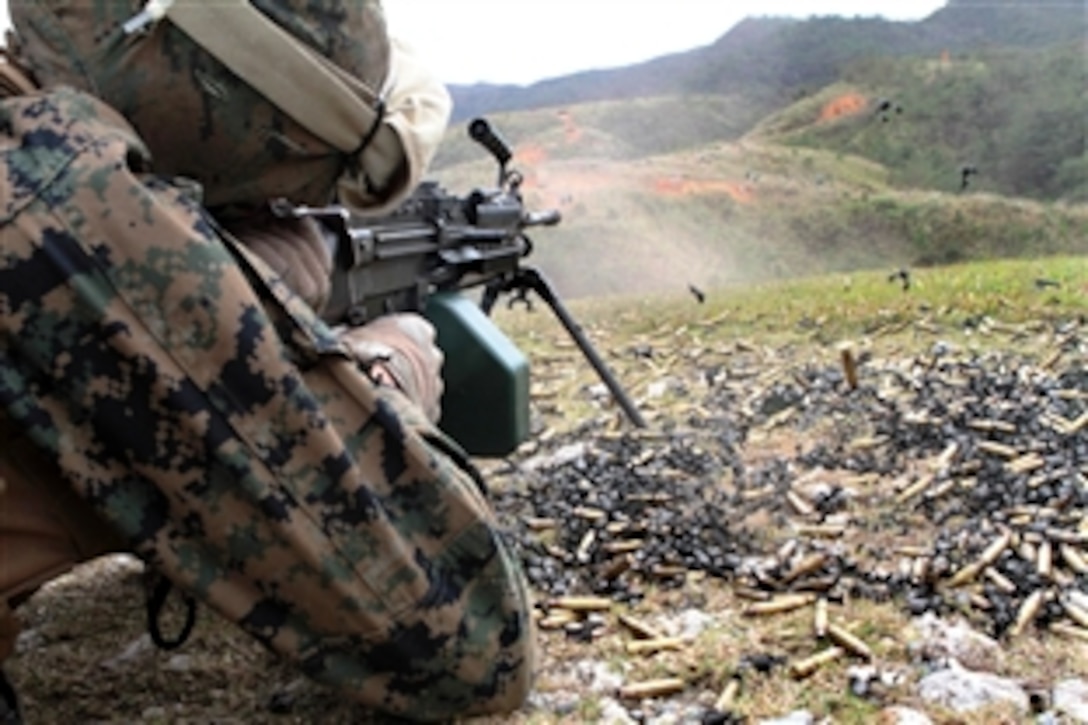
<point>402,347</point>
<point>295,250</point>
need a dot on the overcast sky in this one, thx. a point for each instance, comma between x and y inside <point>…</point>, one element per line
<point>522,41</point>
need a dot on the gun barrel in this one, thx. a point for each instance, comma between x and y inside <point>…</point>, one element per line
<point>548,218</point>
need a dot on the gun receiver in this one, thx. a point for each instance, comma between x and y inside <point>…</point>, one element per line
<point>437,243</point>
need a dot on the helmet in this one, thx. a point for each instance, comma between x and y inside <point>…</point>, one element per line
<point>197,118</point>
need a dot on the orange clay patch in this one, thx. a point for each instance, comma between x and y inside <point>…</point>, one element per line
<point>571,131</point>
<point>672,186</point>
<point>845,105</point>
<point>530,155</point>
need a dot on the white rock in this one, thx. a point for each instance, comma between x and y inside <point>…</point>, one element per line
<point>940,640</point>
<point>598,391</point>
<point>899,715</point>
<point>137,649</point>
<point>567,454</point>
<point>613,713</point>
<point>28,639</point>
<point>963,690</point>
<point>689,624</point>
<point>597,676</point>
<point>179,663</point>
<point>1071,699</point>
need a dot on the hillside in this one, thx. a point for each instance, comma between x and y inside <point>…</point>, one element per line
<point>790,148</point>
<point>723,213</point>
<point>1015,116</point>
<point>773,60</point>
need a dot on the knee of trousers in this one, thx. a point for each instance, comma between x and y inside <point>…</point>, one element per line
<point>45,528</point>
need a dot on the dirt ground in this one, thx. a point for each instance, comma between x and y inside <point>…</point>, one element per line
<point>85,655</point>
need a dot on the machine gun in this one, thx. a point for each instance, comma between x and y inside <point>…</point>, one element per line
<point>421,257</point>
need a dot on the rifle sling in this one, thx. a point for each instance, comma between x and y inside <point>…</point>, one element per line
<point>326,100</point>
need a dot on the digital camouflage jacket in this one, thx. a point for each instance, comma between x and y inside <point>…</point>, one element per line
<point>226,434</point>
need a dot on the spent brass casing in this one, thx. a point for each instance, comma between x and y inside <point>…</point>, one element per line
<point>849,365</point>
<point>649,646</point>
<point>639,628</point>
<point>822,531</point>
<point>915,488</point>
<point>778,605</point>
<point>806,667</point>
<point>819,618</point>
<point>652,688</point>
<point>582,604</point>
<point>920,569</point>
<point>622,546</point>
<point>800,504</point>
<point>806,565</point>
<point>539,524</point>
<point>589,513</point>
<point>942,488</point>
<point>999,580</point>
<point>848,641</point>
<point>558,552</point>
<point>617,567</point>
<point>1066,536</point>
<point>1077,613</point>
<point>752,595</point>
<point>819,584</point>
<point>787,550</point>
<point>988,556</point>
<point>987,425</point>
<point>942,461</point>
<point>728,695</point>
<point>1025,463</point>
<point>1069,630</point>
<point>557,619</point>
<point>966,574</point>
<point>1062,578</point>
<point>585,545</point>
<point>667,571</point>
<point>1029,608</point>
<point>998,449</point>
<point>1073,559</point>
<point>752,494</point>
<point>1044,559</point>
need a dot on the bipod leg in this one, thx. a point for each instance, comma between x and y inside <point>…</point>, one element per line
<point>531,278</point>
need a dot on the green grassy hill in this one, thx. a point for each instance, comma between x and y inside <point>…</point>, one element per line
<point>728,212</point>
<point>1017,116</point>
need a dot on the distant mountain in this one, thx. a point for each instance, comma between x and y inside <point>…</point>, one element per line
<point>776,59</point>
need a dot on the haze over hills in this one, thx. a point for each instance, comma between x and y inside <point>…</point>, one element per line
<point>793,147</point>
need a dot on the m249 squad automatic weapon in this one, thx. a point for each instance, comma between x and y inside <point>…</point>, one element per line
<point>422,257</point>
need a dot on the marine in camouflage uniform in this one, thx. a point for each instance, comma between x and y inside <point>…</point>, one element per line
<point>183,403</point>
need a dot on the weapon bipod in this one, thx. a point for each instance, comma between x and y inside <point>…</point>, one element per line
<point>529,279</point>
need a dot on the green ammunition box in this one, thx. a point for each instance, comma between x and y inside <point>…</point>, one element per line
<point>485,406</point>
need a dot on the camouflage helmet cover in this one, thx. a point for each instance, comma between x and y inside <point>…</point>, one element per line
<point>198,119</point>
